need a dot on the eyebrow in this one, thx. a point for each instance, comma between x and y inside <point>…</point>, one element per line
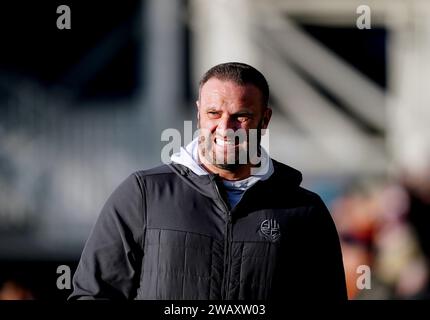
<point>239,113</point>
<point>212,109</point>
<point>244,113</point>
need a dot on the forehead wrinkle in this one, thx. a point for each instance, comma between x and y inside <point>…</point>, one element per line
<point>217,99</point>
<point>230,96</point>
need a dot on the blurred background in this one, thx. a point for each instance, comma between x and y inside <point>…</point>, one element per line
<point>81,109</point>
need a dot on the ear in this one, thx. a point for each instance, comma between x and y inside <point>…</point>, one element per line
<point>266,117</point>
<point>198,107</point>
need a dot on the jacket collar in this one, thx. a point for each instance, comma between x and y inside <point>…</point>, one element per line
<point>283,176</point>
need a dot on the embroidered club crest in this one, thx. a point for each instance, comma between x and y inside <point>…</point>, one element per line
<point>270,229</point>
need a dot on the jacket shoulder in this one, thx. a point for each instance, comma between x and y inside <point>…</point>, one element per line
<point>311,197</point>
<point>286,175</point>
<point>159,170</point>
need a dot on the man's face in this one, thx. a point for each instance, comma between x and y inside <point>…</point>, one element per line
<point>226,113</point>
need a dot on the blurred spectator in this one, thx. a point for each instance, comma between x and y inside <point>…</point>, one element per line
<point>384,225</point>
<point>417,186</point>
<point>12,290</point>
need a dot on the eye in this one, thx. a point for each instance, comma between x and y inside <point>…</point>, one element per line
<point>213,114</point>
<point>242,118</point>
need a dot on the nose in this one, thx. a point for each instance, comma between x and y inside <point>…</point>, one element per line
<point>224,124</point>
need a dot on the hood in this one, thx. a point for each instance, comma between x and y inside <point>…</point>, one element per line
<point>186,157</point>
<point>185,165</point>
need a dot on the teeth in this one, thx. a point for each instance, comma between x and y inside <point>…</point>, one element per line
<point>224,142</point>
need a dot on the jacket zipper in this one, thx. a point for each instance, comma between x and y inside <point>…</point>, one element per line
<point>227,246</point>
<point>229,233</point>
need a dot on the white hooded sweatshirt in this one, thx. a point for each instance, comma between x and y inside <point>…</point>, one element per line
<point>188,157</point>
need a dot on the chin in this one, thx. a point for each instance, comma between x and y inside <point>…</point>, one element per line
<point>228,167</point>
<point>227,162</point>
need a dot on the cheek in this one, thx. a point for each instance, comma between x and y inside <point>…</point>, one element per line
<point>208,124</point>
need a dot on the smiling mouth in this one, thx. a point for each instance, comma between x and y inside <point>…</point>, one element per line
<point>225,143</point>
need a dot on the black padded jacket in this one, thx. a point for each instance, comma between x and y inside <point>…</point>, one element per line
<point>167,233</point>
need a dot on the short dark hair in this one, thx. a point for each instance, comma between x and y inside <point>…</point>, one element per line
<point>239,73</point>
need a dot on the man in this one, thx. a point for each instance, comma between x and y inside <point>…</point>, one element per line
<point>213,224</point>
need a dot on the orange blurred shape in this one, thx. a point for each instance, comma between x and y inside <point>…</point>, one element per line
<point>13,291</point>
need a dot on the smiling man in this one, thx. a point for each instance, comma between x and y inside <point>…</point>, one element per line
<point>228,109</point>
<point>222,221</point>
